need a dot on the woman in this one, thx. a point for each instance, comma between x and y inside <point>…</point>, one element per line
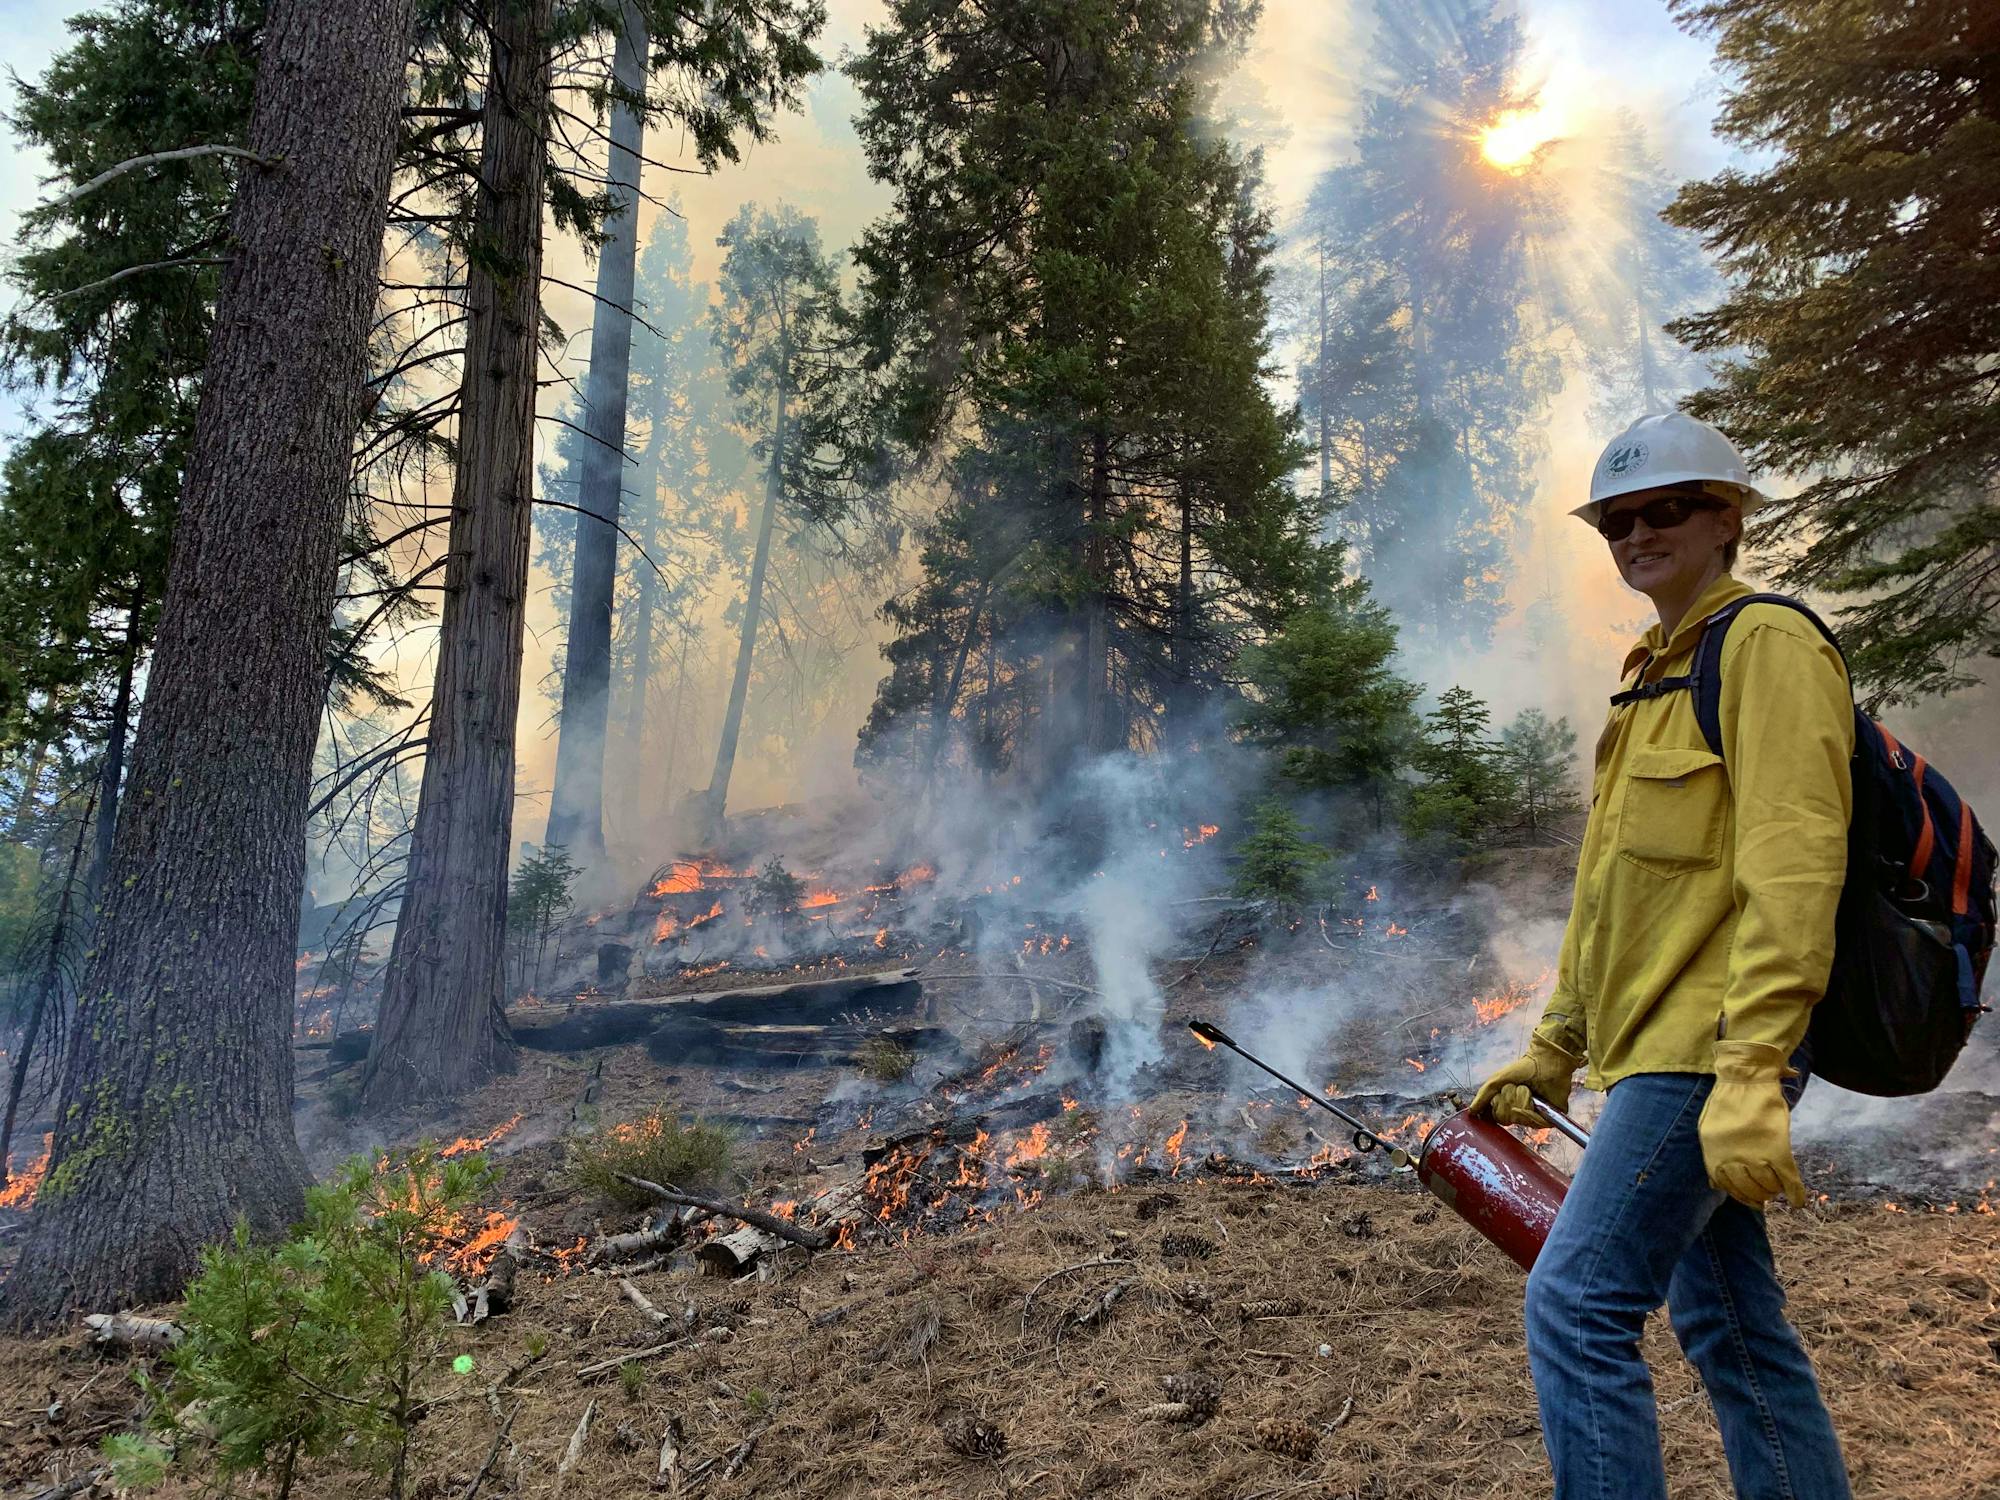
<point>1700,936</point>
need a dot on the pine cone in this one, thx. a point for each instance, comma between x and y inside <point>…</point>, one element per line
<point>1194,1295</point>
<point>1293,1439</point>
<point>1198,1389</point>
<point>1154,1204</point>
<point>1360,1227</point>
<point>1271,1307</point>
<point>973,1436</point>
<point>1178,1245</point>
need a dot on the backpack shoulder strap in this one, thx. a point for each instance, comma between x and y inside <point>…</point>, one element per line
<point>1705,679</point>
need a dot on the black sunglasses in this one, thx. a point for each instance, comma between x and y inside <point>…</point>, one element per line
<point>1661,515</point>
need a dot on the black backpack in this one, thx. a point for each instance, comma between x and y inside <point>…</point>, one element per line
<point>1916,921</point>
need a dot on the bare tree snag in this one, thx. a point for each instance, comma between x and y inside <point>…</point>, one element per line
<point>441,1030</point>
<point>576,801</point>
<point>175,1118</point>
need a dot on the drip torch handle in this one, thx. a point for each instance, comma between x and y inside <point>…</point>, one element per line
<point>1562,1122</point>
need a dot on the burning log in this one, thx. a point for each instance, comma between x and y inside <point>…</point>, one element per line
<point>496,1293</point>
<point>771,1224</point>
<point>130,1331</point>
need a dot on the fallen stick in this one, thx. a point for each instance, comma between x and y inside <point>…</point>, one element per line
<point>670,1455</point>
<point>640,1300</point>
<point>653,1351</point>
<point>757,1218</point>
<point>1061,984</point>
<point>1082,1265</point>
<point>1167,1411</point>
<point>132,1331</point>
<point>576,1440</point>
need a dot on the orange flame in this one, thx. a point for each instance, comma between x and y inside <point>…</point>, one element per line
<point>466,1144</point>
<point>22,1186</point>
<point>1031,1147</point>
<point>882,938</point>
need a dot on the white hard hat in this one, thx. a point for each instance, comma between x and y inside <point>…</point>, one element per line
<point>1666,450</point>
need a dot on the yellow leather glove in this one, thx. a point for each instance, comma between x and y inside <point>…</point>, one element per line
<point>1546,1070</point>
<point>1746,1130</point>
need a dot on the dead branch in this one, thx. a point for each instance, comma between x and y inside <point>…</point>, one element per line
<point>1082,1265</point>
<point>670,1455</point>
<point>153,159</point>
<point>576,1440</point>
<point>784,1229</point>
<point>130,1331</point>
<point>640,1300</point>
<point>117,276</point>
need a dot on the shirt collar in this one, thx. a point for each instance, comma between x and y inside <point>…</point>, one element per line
<point>1655,643</point>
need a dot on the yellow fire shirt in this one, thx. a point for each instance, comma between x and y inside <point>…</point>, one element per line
<point>1706,886</point>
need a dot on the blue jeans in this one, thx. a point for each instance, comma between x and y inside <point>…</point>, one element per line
<point>1641,1226</point>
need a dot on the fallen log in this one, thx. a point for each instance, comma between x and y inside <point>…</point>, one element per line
<point>757,1218</point>
<point>583,1025</point>
<point>130,1331</point>
<point>738,1251</point>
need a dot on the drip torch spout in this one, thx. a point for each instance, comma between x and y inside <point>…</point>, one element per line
<point>1210,1035</point>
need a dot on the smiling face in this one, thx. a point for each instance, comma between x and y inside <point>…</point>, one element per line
<point>1675,563</point>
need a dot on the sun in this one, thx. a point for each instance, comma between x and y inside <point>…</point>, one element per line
<point>1511,141</point>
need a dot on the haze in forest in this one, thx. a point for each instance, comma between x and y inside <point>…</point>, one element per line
<point>1293,96</point>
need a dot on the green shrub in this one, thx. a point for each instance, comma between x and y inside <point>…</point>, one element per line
<point>1278,862</point>
<point>632,1379</point>
<point>658,1147</point>
<point>885,1062</point>
<point>331,1341</point>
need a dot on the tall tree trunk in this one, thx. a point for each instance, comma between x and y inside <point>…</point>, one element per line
<point>176,1113</point>
<point>111,773</point>
<point>576,803</point>
<point>717,800</point>
<point>440,1029</point>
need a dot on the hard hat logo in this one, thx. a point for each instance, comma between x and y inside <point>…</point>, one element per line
<point>1623,460</point>
<point>1672,448</point>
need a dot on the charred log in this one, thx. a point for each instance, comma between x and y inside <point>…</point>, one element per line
<point>616,1023</point>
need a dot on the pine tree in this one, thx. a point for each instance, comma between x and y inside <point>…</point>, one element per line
<point>1277,862</point>
<point>175,1120</point>
<point>1860,332</point>
<point>576,801</point>
<point>1068,301</point>
<point>441,1028</point>
<point>1464,799</point>
<point>1434,376</point>
<point>1540,760</point>
<point>1325,699</point>
<point>777,329</point>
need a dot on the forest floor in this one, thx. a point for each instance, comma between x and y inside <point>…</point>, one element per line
<point>1385,1359</point>
<point>1400,1374</point>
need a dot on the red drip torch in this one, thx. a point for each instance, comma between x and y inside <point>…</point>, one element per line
<point>1485,1175</point>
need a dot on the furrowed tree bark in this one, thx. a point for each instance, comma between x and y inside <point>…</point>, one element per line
<point>576,802</point>
<point>440,1029</point>
<point>175,1117</point>
<point>717,800</point>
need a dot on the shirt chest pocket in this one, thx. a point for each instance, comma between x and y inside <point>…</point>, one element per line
<point>1676,802</point>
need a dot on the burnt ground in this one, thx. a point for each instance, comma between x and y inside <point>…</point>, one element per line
<point>958,1354</point>
<point>1386,1361</point>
